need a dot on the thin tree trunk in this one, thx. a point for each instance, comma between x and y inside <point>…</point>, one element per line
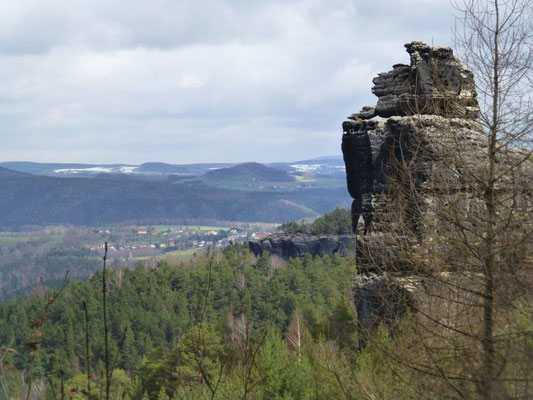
<point>487,384</point>
<point>106,330</point>
<point>87,365</point>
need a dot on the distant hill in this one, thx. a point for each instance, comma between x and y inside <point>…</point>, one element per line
<point>54,168</point>
<point>328,166</point>
<point>249,172</point>
<point>43,200</point>
<point>323,161</point>
<point>6,172</point>
<point>332,166</point>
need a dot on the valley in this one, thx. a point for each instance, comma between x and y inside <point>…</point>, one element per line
<point>38,195</point>
<point>42,256</point>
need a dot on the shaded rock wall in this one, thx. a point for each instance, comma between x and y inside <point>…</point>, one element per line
<point>430,108</point>
<point>380,299</point>
<point>376,152</point>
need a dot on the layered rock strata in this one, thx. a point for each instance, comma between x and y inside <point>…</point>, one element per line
<point>297,245</point>
<point>377,151</point>
<point>384,157</point>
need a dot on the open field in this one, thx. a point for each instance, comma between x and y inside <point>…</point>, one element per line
<point>11,240</point>
<point>300,182</point>
<point>50,251</point>
<point>169,256</point>
<point>47,241</point>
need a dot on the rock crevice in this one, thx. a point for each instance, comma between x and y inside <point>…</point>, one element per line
<point>435,94</point>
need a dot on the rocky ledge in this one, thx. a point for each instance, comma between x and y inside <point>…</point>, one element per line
<point>297,245</point>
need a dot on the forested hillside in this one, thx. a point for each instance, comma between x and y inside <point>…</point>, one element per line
<point>336,222</point>
<point>40,200</point>
<point>249,172</point>
<point>226,316</point>
<point>21,271</point>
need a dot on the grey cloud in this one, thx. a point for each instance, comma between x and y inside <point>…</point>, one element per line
<point>185,81</point>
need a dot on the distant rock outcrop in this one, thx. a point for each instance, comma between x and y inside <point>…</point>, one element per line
<point>297,245</point>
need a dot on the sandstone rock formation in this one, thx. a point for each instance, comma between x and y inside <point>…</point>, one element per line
<point>430,110</point>
<point>380,299</point>
<point>297,245</point>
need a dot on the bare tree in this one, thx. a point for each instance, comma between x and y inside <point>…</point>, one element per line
<point>296,332</point>
<point>495,38</point>
<point>463,237</point>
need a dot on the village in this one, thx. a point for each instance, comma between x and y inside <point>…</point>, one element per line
<point>148,241</point>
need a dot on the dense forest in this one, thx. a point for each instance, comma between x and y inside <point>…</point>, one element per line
<point>250,171</point>
<point>223,325</point>
<point>226,316</point>
<point>19,272</point>
<point>336,222</point>
<point>24,259</point>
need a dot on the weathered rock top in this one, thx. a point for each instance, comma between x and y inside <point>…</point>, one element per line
<point>435,83</point>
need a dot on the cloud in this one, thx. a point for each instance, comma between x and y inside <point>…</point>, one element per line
<point>189,81</point>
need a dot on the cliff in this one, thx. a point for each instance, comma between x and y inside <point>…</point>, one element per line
<point>297,245</point>
<point>394,166</point>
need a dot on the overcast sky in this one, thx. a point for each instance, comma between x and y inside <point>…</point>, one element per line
<point>181,81</point>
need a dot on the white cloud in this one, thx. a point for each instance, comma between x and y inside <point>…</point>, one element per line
<point>190,81</point>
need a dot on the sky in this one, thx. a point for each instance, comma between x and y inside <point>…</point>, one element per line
<point>185,81</point>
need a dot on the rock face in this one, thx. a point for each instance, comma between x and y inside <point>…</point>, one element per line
<point>430,108</point>
<point>297,245</point>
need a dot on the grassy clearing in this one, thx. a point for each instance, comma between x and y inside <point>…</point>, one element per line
<point>11,240</point>
<point>303,179</point>
<point>46,241</point>
<point>206,227</point>
<point>320,181</point>
<point>53,241</point>
<point>171,255</point>
<point>181,252</point>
